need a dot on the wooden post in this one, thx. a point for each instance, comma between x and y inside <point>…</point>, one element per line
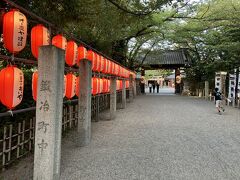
<point>124,99</point>
<point>113,97</point>
<point>48,132</point>
<point>97,108</point>
<point>84,103</point>
<point>131,88</point>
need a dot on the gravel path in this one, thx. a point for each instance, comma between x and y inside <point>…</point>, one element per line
<point>159,137</point>
<point>156,137</point>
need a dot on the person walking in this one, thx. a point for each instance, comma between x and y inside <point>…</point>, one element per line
<point>218,101</point>
<point>154,87</point>
<point>150,87</point>
<point>157,87</point>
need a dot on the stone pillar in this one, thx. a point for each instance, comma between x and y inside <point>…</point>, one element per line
<point>48,131</point>
<point>131,88</point>
<point>84,103</point>
<point>135,88</point>
<point>124,99</point>
<point>206,89</point>
<point>233,103</point>
<point>97,108</point>
<point>177,85</point>
<point>113,97</point>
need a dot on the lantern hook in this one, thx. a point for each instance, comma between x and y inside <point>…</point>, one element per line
<point>11,59</point>
<point>11,112</point>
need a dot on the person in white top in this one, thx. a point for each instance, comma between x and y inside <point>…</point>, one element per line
<point>150,87</point>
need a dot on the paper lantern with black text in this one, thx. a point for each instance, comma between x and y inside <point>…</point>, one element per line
<point>12,85</point>
<point>34,85</point>
<point>59,41</point>
<point>94,62</point>
<point>70,85</point>
<point>39,37</point>
<point>90,55</point>
<point>71,53</point>
<point>82,53</point>
<point>14,31</point>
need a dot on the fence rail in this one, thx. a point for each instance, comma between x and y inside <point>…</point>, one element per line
<point>17,137</point>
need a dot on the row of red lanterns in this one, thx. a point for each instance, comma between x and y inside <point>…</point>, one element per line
<point>12,86</point>
<point>15,35</point>
<point>71,85</point>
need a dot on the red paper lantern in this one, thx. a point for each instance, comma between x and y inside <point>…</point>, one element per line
<point>39,37</point>
<point>98,62</point>
<point>95,86</point>
<point>107,66</point>
<point>59,41</point>
<point>104,85</point>
<point>90,55</point>
<point>70,85</point>
<point>108,85</point>
<point>34,85</point>
<point>71,53</point>
<point>12,84</point>
<point>82,53</point>
<point>14,31</point>
<point>113,68</point>
<point>110,67</point>
<point>101,63</point>
<point>100,85</point>
<point>127,84</point>
<point>77,86</point>
<point>117,70</point>
<point>121,84</point>
<point>118,85</point>
<point>121,71</point>
<point>104,65</point>
<point>94,62</point>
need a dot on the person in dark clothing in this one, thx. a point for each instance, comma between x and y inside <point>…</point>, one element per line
<point>218,100</point>
<point>157,87</point>
<point>154,87</point>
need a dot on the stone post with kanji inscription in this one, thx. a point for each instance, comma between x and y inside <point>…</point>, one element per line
<point>124,98</point>
<point>113,97</point>
<point>84,103</point>
<point>47,151</point>
<point>131,88</point>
